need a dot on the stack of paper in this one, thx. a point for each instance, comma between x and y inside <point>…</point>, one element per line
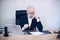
<point>36,33</point>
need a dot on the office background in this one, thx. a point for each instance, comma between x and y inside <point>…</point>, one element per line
<point>47,10</point>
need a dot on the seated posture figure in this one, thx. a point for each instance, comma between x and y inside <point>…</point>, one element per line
<point>31,22</point>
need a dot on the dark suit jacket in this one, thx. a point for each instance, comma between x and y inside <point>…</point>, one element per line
<point>34,24</point>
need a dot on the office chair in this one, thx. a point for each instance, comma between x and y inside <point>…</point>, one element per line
<point>20,14</point>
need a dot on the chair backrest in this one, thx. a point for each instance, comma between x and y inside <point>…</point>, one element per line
<point>19,15</point>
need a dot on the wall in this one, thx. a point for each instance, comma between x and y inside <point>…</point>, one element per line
<point>47,10</point>
<point>0,13</point>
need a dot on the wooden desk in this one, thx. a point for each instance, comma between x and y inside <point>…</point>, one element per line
<point>30,37</point>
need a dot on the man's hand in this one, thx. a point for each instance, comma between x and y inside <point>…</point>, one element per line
<point>38,18</point>
<point>25,26</point>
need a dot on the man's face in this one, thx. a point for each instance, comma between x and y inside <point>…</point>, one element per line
<point>31,12</point>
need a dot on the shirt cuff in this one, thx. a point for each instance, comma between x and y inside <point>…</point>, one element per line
<point>38,20</point>
<point>23,28</point>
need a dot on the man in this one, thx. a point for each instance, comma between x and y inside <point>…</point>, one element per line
<point>31,21</point>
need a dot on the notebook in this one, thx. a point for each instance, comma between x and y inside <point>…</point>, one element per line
<point>14,29</point>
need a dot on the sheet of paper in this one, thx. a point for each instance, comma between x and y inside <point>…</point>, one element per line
<point>36,33</point>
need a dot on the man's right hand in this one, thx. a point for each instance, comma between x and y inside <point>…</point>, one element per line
<point>25,27</point>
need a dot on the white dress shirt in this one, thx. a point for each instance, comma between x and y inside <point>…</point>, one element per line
<point>29,21</point>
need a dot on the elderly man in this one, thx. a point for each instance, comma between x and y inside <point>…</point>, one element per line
<point>31,21</point>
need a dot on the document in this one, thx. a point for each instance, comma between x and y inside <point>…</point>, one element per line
<point>37,33</point>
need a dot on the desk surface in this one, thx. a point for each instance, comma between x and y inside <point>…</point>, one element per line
<point>30,37</point>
